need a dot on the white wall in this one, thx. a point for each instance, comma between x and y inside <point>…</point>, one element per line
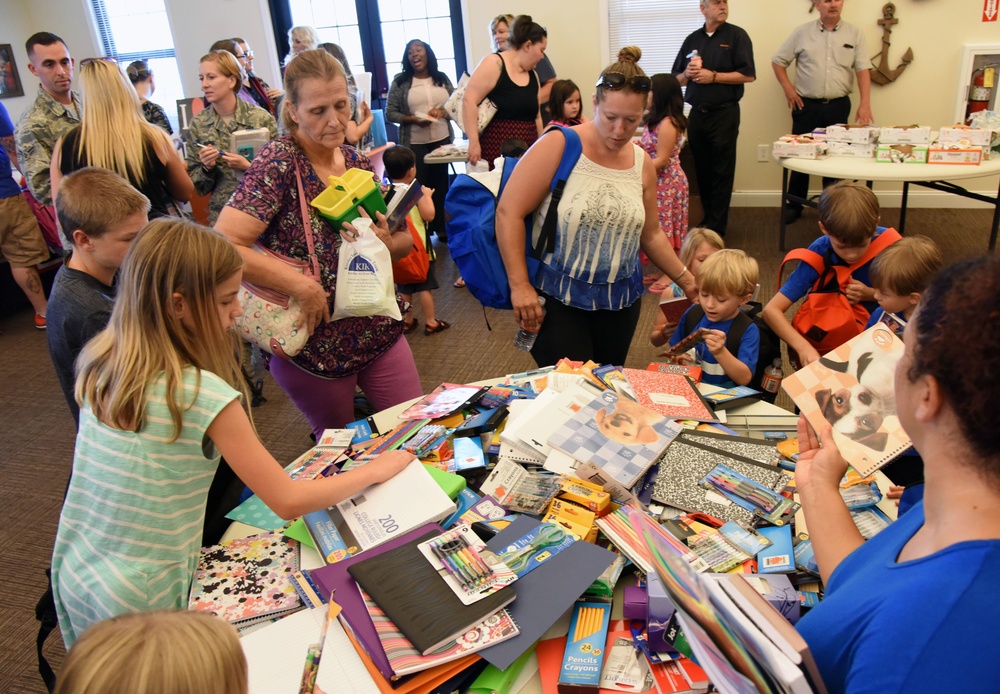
<point>925,93</point>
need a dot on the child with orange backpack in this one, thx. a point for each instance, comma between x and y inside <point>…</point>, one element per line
<point>833,276</point>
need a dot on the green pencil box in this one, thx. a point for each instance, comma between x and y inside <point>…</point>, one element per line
<point>497,681</point>
<point>451,483</point>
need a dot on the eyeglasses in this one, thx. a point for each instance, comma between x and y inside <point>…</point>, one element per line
<point>138,71</point>
<point>614,81</point>
<point>248,54</point>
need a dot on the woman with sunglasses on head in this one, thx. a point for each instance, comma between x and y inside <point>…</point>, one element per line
<point>113,134</point>
<point>508,79</point>
<point>141,78</point>
<point>592,280</point>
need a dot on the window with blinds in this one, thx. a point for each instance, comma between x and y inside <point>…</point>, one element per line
<point>139,30</point>
<point>658,27</point>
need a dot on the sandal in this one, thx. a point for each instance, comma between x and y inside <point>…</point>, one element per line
<point>459,283</point>
<point>409,326</point>
<point>660,287</point>
<point>441,326</point>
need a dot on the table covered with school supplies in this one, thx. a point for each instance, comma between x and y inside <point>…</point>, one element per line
<point>934,176</point>
<point>498,595</point>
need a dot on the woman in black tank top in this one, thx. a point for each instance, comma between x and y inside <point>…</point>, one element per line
<point>508,79</point>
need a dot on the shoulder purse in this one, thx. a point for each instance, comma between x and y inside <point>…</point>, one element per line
<point>273,321</point>
<point>487,109</point>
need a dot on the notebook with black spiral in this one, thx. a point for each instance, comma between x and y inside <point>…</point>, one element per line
<point>418,601</point>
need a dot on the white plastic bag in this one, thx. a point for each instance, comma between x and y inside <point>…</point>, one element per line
<point>364,277</point>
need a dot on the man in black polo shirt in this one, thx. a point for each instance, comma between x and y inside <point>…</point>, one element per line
<point>714,81</point>
<point>827,53</point>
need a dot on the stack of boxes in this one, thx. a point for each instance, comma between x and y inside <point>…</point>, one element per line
<point>901,144</point>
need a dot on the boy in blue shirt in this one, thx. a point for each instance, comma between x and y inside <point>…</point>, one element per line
<point>901,273</point>
<point>848,217</point>
<point>726,281</point>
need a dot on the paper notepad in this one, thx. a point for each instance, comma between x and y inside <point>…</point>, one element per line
<point>276,653</point>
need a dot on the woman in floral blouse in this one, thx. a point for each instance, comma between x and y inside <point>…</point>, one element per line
<point>366,352</point>
<point>213,168</point>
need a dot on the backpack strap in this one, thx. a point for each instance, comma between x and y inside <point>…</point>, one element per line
<point>48,618</point>
<point>546,242</point>
<point>888,237</point>
<point>691,318</point>
<point>812,258</point>
<point>735,335</point>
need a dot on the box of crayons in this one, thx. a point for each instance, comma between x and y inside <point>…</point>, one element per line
<point>584,655</point>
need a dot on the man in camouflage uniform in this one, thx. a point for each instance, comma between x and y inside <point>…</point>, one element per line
<point>56,110</point>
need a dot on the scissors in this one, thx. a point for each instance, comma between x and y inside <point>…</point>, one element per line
<point>547,536</point>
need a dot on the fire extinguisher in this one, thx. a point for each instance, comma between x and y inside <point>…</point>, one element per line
<point>980,90</point>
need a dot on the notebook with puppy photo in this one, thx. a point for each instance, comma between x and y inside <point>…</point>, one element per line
<point>851,389</point>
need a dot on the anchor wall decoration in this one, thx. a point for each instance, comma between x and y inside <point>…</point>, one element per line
<point>882,73</point>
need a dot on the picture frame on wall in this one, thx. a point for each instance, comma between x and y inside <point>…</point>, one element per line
<point>10,81</point>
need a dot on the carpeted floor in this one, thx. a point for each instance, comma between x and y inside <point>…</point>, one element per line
<point>36,436</point>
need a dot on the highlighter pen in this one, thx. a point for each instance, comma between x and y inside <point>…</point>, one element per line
<point>450,567</point>
<point>469,572</point>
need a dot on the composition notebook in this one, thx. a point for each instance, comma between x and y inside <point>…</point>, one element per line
<point>248,579</point>
<point>851,389</point>
<point>418,601</point>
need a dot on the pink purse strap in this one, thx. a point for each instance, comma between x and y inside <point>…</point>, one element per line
<point>307,223</point>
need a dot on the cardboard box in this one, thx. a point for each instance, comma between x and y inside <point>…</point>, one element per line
<point>905,135</point>
<point>850,149</point>
<point>978,137</point>
<point>901,154</point>
<point>584,654</point>
<point>853,134</point>
<point>955,154</point>
<point>798,146</point>
<point>778,590</point>
<point>586,494</point>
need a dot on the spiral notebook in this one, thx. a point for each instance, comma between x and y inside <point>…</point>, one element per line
<point>412,594</point>
<point>405,659</point>
<point>851,389</point>
<point>248,579</point>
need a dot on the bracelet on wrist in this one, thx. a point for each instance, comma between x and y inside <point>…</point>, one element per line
<point>676,280</point>
<point>714,76</point>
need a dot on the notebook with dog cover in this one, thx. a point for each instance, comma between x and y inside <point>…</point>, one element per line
<point>620,436</point>
<point>851,389</point>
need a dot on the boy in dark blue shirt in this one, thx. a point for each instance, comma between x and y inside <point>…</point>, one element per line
<point>726,281</point>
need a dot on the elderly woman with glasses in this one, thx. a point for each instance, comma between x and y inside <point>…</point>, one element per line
<point>591,280</point>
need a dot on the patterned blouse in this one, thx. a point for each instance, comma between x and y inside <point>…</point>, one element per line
<point>595,265</point>
<point>208,129</point>
<point>269,193</point>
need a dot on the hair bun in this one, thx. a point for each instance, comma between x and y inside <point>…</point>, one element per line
<point>630,54</point>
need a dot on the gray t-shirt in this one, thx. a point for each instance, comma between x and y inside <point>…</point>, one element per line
<point>79,308</point>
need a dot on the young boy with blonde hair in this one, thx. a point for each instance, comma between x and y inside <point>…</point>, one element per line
<point>726,281</point>
<point>901,273</point>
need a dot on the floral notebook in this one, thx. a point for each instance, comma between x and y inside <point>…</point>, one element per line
<point>405,659</point>
<point>248,579</point>
<point>672,395</point>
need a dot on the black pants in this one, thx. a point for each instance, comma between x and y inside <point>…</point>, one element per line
<point>603,336</point>
<point>712,135</point>
<point>815,114</point>
<point>435,176</point>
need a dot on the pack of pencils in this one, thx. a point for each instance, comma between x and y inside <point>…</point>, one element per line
<point>584,655</point>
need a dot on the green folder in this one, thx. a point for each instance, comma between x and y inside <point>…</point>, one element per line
<point>496,681</point>
<point>451,483</point>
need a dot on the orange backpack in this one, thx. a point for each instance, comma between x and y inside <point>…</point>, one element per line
<point>826,318</point>
<point>413,268</point>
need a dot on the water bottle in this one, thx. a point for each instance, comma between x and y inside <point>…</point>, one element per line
<point>773,374</point>
<point>695,59</point>
<point>525,338</point>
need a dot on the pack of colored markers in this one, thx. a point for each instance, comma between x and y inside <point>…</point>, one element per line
<point>744,492</point>
<point>459,558</point>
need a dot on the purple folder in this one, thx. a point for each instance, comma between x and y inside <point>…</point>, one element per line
<point>334,580</point>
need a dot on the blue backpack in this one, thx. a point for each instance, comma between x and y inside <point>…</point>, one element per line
<point>471,211</point>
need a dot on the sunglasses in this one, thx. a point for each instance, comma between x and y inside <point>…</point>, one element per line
<point>105,59</point>
<point>614,81</point>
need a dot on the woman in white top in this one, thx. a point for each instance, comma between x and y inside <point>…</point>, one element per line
<point>591,277</point>
<point>416,102</point>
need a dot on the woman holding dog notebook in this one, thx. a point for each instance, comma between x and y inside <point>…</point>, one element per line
<point>914,608</point>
